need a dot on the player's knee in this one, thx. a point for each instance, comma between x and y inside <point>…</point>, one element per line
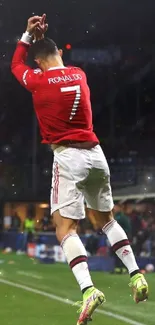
<point>102,218</point>
<point>63,231</point>
<point>107,217</point>
<point>63,225</point>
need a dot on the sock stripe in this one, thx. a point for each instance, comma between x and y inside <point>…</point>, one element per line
<point>66,237</point>
<point>120,244</point>
<point>108,225</point>
<point>77,260</point>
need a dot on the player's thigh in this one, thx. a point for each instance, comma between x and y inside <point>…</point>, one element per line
<point>98,193</point>
<point>99,160</point>
<point>65,196</point>
<point>98,196</point>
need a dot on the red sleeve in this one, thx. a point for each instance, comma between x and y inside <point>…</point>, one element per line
<point>83,72</point>
<point>23,73</point>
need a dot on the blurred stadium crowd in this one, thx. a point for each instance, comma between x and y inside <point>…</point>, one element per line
<point>137,220</point>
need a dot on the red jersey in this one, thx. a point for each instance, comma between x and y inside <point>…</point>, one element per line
<point>61,99</point>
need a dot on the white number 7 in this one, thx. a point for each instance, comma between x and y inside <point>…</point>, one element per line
<point>77,89</point>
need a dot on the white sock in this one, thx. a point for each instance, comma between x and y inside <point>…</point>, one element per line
<point>77,259</point>
<point>120,245</point>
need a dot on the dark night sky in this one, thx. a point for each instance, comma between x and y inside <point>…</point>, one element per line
<point>114,21</point>
<point>122,91</point>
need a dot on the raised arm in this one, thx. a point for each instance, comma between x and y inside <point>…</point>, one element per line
<point>23,73</point>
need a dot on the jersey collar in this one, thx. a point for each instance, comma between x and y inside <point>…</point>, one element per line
<point>55,68</point>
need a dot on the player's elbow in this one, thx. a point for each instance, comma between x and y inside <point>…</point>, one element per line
<point>13,66</point>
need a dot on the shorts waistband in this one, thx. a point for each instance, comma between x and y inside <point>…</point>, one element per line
<point>57,149</point>
<point>76,145</point>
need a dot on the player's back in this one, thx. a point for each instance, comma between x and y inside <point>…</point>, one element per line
<point>63,107</point>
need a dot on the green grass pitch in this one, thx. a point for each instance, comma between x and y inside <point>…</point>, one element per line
<point>18,306</point>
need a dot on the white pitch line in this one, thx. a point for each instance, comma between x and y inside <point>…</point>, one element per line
<point>30,274</point>
<point>69,302</point>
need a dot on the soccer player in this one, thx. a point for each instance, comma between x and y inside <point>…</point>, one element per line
<point>62,104</point>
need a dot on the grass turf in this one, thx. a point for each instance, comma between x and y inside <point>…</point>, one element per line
<point>19,306</point>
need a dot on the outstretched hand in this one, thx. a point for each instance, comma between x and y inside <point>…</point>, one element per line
<point>33,23</point>
<point>41,29</point>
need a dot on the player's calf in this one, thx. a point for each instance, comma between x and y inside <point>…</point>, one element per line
<point>121,246</point>
<point>73,249</point>
<point>76,256</point>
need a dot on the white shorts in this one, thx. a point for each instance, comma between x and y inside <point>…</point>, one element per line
<point>80,175</point>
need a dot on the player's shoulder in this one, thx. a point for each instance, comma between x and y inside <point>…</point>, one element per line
<point>77,69</point>
<point>37,71</point>
<point>38,74</point>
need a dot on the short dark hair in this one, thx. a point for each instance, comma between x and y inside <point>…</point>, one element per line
<point>43,48</point>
